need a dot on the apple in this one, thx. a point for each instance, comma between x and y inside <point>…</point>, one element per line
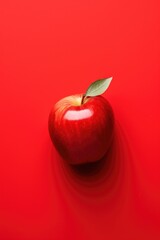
<point>81,126</point>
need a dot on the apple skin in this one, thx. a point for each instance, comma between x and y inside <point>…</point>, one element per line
<point>81,133</point>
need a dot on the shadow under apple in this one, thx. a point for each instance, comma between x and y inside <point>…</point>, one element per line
<point>98,179</point>
<point>102,187</point>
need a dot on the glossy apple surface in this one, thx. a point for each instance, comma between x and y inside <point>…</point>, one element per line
<point>81,133</point>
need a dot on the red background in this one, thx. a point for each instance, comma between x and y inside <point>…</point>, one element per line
<point>51,49</point>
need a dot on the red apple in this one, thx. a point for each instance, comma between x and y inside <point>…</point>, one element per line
<point>81,129</point>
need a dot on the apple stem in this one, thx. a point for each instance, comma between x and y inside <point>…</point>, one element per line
<point>82,101</point>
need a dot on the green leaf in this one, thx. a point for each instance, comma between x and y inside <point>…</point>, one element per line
<point>98,87</point>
